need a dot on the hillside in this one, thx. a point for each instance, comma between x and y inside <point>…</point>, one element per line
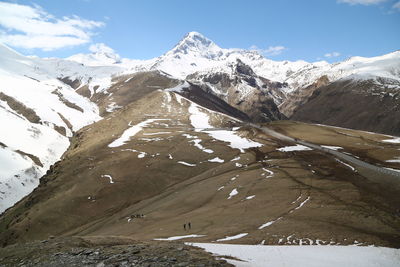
<point>174,162</point>
<point>39,114</point>
<point>372,105</point>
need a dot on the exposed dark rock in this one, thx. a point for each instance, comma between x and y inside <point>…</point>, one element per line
<point>66,102</point>
<point>73,83</point>
<point>258,102</point>
<point>20,108</point>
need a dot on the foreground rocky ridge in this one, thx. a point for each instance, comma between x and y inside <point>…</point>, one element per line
<point>104,252</point>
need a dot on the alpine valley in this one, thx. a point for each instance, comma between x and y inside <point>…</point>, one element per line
<point>247,149</point>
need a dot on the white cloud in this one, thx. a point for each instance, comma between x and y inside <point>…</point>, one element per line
<point>396,6</point>
<point>101,48</point>
<point>32,27</point>
<point>333,54</point>
<point>270,51</point>
<point>362,2</point>
<point>274,50</point>
<point>104,50</point>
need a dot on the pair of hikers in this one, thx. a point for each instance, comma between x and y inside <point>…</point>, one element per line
<point>136,216</point>
<point>187,225</point>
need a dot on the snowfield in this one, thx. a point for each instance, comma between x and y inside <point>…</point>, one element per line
<point>310,256</point>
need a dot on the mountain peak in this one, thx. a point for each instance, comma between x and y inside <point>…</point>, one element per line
<point>195,42</point>
<point>194,34</point>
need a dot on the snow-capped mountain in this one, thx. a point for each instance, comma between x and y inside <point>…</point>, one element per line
<point>382,73</point>
<point>197,53</point>
<point>358,68</point>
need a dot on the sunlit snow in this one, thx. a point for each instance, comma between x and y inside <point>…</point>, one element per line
<point>227,238</point>
<point>294,148</point>
<point>310,256</point>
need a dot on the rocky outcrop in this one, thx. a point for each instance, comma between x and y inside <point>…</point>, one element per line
<point>244,90</point>
<point>301,96</point>
<point>20,108</point>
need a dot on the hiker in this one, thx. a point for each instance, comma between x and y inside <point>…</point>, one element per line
<point>190,226</point>
<point>184,226</point>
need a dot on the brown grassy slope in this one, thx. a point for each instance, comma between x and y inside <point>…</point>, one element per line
<point>356,105</point>
<point>310,196</point>
<point>126,89</point>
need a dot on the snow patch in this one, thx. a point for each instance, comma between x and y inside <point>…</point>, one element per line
<point>172,238</point>
<point>332,147</point>
<point>270,173</point>
<point>348,165</point>
<point>217,160</point>
<point>109,177</point>
<point>269,223</point>
<point>395,140</point>
<point>186,164</point>
<point>301,204</point>
<point>395,160</point>
<point>227,238</point>
<point>200,121</point>
<point>132,131</point>
<point>294,148</point>
<point>199,146</point>
<point>233,193</point>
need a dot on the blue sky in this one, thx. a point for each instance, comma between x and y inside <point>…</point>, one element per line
<point>283,30</point>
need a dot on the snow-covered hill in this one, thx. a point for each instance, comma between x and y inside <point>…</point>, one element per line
<point>357,68</point>
<point>38,114</point>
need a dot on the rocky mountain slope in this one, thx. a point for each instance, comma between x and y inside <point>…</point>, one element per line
<point>373,78</point>
<point>372,105</point>
<point>244,90</point>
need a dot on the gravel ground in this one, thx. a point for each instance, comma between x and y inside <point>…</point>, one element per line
<point>105,251</point>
